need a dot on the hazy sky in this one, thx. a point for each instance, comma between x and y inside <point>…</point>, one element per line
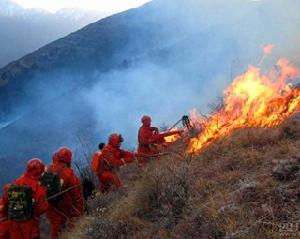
<point>101,5</point>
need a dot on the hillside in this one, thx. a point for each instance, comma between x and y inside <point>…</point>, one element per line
<point>243,186</point>
<point>164,34</point>
<point>162,59</point>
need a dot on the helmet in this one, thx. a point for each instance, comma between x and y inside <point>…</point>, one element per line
<point>35,167</point>
<point>63,155</point>
<point>115,139</point>
<point>146,120</point>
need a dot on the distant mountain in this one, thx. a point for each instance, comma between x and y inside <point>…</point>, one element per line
<point>25,30</point>
<point>9,8</point>
<point>163,59</point>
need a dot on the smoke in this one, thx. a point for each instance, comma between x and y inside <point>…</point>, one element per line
<point>124,96</point>
<point>212,42</point>
<point>175,56</point>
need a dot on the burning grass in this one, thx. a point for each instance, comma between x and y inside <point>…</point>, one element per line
<point>254,99</point>
<point>234,189</point>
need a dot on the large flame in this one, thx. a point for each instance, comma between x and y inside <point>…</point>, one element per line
<point>254,99</point>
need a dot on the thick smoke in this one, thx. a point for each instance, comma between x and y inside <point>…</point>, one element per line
<point>124,96</point>
<point>178,55</point>
<point>213,41</point>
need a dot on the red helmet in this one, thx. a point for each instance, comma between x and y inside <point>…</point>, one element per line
<point>35,167</point>
<point>63,155</point>
<point>115,140</point>
<point>146,120</point>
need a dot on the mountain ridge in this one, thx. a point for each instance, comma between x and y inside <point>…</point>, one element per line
<point>29,29</point>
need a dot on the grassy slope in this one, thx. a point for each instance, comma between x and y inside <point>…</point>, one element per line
<point>240,187</point>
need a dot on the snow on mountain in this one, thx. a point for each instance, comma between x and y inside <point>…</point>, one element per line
<point>25,30</point>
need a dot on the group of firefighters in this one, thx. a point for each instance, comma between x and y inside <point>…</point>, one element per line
<point>56,191</point>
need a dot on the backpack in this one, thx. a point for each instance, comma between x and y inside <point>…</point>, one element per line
<point>95,163</point>
<point>52,182</point>
<point>20,203</point>
<point>99,163</point>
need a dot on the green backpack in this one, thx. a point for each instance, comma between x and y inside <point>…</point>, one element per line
<point>20,203</point>
<point>52,183</point>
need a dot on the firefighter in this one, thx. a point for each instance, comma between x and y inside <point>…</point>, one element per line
<point>145,137</point>
<point>150,140</point>
<point>96,160</point>
<point>68,205</point>
<point>23,202</point>
<point>110,159</point>
<point>88,183</point>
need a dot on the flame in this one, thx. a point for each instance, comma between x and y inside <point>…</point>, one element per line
<point>268,49</point>
<point>172,138</point>
<point>253,99</point>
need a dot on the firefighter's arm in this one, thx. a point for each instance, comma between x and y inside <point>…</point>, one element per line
<point>127,156</point>
<point>155,138</point>
<point>116,162</point>
<point>41,205</point>
<point>78,201</point>
<point>2,209</point>
<point>111,160</point>
<point>67,178</point>
<point>160,136</point>
<point>4,201</point>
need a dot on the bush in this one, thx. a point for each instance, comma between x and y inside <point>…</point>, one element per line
<point>167,186</point>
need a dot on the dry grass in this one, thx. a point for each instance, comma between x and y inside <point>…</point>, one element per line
<point>230,191</point>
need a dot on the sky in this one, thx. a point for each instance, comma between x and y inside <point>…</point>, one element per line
<point>98,5</point>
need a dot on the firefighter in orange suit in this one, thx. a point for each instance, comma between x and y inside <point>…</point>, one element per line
<point>111,158</point>
<point>63,213</point>
<point>150,141</point>
<point>22,219</point>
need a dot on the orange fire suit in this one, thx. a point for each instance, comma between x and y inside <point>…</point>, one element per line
<point>28,229</point>
<point>110,159</point>
<point>61,215</point>
<point>146,140</point>
<point>147,143</point>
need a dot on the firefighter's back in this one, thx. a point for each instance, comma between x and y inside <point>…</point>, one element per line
<point>25,223</point>
<point>24,201</point>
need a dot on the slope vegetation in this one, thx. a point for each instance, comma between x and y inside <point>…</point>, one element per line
<point>244,186</point>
